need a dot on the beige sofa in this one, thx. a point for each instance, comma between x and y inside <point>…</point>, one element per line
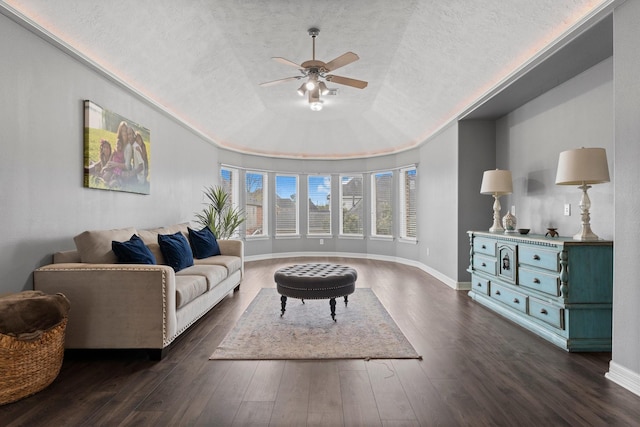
<point>136,306</point>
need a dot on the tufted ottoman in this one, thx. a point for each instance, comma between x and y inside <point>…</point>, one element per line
<point>316,281</point>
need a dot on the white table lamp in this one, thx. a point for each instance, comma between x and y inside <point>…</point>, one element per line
<point>583,166</point>
<point>497,183</point>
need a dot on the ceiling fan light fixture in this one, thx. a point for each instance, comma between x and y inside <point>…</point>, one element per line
<point>316,105</point>
<point>311,84</point>
<point>302,89</point>
<point>324,90</point>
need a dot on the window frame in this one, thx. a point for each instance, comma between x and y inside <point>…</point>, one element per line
<point>297,205</point>
<point>404,216</point>
<point>309,192</point>
<point>265,204</point>
<point>341,199</point>
<point>374,205</point>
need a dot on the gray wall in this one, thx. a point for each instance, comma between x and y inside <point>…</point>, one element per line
<point>576,114</point>
<point>626,292</point>
<point>477,153</point>
<point>438,202</point>
<point>42,201</point>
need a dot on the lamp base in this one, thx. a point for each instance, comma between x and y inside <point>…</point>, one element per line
<point>585,203</point>
<point>585,233</point>
<point>496,227</point>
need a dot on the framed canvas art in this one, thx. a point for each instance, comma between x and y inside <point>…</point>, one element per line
<point>117,152</point>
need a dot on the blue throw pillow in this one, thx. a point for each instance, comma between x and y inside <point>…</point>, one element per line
<point>133,251</point>
<point>176,250</point>
<point>203,243</point>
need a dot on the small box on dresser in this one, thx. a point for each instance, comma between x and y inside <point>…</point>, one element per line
<point>558,288</point>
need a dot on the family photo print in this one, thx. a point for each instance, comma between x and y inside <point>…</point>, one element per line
<point>117,151</point>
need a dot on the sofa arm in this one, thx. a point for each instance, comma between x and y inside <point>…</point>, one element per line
<point>114,305</point>
<point>232,247</point>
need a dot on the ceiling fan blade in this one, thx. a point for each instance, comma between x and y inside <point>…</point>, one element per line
<point>360,84</point>
<point>341,61</point>
<point>275,82</point>
<point>286,62</point>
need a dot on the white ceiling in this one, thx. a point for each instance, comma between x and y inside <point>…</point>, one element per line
<point>202,60</point>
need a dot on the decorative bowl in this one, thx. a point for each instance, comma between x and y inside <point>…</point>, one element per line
<point>523,230</point>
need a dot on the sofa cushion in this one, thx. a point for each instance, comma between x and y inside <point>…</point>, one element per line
<point>95,246</point>
<point>203,243</point>
<point>213,273</point>
<point>176,250</point>
<point>230,262</point>
<point>189,288</point>
<point>182,228</point>
<point>150,238</point>
<point>133,251</point>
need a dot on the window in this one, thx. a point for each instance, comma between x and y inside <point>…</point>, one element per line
<point>408,203</point>
<point>351,209</point>
<point>229,182</point>
<point>381,204</point>
<point>256,204</point>
<point>319,206</point>
<point>286,205</point>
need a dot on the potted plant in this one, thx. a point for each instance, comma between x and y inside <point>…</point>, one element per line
<point>222,218</point>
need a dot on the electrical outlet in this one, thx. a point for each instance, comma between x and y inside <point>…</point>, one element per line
<point>567,209</point>
<point>513,210</point>
<point>322,241</point>
<point>427,251</point>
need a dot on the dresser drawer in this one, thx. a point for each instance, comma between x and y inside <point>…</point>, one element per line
<point>480,285</point>
<point>548,313</point>
<point>484,246</point>
<point>486,264</point>
<point>539,280</point>
<point>538,258</point>
<point>510,298</point>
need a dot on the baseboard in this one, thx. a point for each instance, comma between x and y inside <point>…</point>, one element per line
<point>435,273</point>
<point>624,377</point>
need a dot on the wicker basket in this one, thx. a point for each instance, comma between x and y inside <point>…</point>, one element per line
<point>26,367</point>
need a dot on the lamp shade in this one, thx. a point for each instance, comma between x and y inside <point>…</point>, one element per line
<point>582,166</point>
<point>496,182</point>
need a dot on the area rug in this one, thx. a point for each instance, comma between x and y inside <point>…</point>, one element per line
<point>363,330</point>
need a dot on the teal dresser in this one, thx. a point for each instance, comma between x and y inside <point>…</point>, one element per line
<point>558,288</point>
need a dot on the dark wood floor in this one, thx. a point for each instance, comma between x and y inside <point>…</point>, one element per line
<point>478,369</point>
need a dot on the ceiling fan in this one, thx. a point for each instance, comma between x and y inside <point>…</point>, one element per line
<point>315,70</point>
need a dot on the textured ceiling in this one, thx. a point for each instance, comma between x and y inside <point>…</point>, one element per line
<point>203,60</point>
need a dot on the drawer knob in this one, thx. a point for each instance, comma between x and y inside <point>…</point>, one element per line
<point>543,311</point>
<point>536,257</point>
<point>484,247</point>
<point>484,265</point>
<point>498,293</point>
<point>516,301</point>
<point>479,285</point>
<point>536,281</point>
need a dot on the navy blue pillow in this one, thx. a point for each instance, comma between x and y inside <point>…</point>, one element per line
<point>133,251</point>
<point>203,243</point>
<point>176,250</point>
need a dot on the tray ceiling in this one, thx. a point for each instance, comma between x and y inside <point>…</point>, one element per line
<point>426,62</point>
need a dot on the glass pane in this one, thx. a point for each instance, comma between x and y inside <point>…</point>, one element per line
<point>351,204</point>
<point>381,201</point>
<point>254,185</point>
<point>319,204</point>
<point>409,205</point>
<point>286,205</point>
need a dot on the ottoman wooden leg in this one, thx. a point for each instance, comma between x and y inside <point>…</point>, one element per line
<point>346,300</point>
<point>332,303</point>
<point>283,304</point>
